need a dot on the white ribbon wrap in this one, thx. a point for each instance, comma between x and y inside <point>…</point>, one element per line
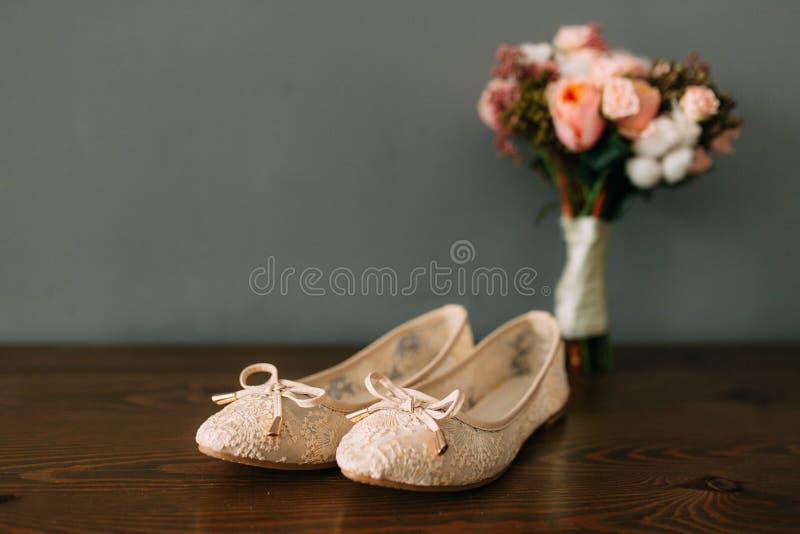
<point>581,307</point>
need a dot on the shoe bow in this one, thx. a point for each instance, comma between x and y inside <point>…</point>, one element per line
<point>428,410</point>
<point>301,394</point>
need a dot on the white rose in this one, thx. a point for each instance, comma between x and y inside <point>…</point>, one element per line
<point>676,164</point>
<point>577,63</point>
<point>688,130</point>
<point>536,53</point>
<point>643,172</point>
<point>659,136</point>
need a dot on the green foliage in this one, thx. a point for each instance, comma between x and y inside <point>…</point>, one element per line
<point>620,193</point>
<point>596,168</point>
<point>609,150</point>
<point>529,117</point>
<point>544,164</point>
<point>544,211</point>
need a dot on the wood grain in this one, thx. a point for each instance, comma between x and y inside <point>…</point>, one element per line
<point>676,440</point>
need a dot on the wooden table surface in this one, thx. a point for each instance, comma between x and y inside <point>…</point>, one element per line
<point>679,440</point>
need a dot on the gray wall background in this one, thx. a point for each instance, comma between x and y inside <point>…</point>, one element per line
<point>154,152</point>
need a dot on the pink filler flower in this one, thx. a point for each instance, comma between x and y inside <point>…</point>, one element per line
<point>495,99</point>
<point>498,96</point>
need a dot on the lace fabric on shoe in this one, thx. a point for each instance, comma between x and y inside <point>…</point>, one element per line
<point>302,422</point>
<point>505,367</point>
<point>425,408</point>
<point>404,357</point>
<point>513,382</point>
<point>277,389</point>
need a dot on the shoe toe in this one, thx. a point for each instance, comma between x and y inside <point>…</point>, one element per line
<point>393,447</point>
<point>308,435</point>
<point>240,429</point>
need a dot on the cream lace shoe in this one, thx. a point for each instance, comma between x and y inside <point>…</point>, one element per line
<point>470,422</point>
<point>285,424</point>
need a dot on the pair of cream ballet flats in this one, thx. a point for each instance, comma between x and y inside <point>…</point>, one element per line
<point>469,412</point>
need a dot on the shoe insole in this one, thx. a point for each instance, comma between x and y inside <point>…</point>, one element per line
<point>498,402</point>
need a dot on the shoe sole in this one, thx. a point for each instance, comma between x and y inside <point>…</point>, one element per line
<point>553,420</point>
<point>424,489</point>
<point>282,466</point>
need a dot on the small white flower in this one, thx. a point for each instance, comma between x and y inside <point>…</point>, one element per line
<point>688,130</point>
<point>667,143</point>
<point>536,53</point>
<point>643,172</point>
<point>661,68</point>
<point>676,164</point>
<point>658,138</point>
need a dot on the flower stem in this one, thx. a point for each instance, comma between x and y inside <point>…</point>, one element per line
<point>595,196</point>
<point>562,183</point>
<point>597,210</point>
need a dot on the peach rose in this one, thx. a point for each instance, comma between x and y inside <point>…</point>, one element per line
<point>495,99</point>
<point>649,102</point>
<point>722,143</point>
<point>699,103</point>
<point>701,162</point>
<point>571,38</point>
<point>619,98</point>
<point>575,107</point>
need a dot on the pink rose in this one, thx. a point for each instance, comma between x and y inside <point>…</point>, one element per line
<point>571,38</point>
<point>619,98</point>
<point>699,103</point>
<point>495,99</point>
<point>701,161</point>
<point>722,143</point>
<point>575,107</point>
<point>649,102</point>
<point>618,64</point>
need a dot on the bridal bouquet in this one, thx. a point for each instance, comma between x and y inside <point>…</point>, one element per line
<point>602,126</point>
